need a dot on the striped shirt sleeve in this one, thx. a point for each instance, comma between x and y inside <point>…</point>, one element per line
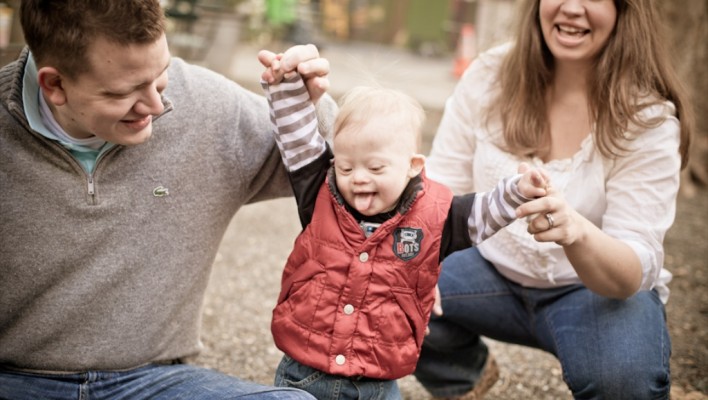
<point>294,122</point>
<point>493,210</point>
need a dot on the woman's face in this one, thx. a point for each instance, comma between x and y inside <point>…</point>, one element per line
<point>577,30</point>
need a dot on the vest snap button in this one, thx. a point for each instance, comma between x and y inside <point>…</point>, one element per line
<point>349,309</point>
<point>340,359</point>
<point>364,257</point>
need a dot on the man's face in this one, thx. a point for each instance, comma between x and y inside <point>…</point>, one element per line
<point>117,99</point>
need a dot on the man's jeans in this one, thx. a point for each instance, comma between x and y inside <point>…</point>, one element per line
<point>323,386</point>
<point>608,349</point>
<point>154,382</point>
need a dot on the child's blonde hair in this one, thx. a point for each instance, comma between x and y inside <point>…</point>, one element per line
<point>362,103</point>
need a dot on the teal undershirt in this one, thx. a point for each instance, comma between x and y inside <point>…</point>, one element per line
<point>86,156</point>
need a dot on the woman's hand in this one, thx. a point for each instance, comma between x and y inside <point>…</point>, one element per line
<point>606,265</point>
<point>553,220</point>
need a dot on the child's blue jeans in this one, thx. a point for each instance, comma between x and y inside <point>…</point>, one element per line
<point>608,349</point>
<point>154,382</point>
<point>323,386</point>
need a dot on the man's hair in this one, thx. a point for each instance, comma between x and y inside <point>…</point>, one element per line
<point>362,103</point>
<point>59,32</point>
<point>633,71</point>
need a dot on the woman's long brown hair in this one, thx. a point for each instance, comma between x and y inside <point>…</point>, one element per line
<point>632,72</point>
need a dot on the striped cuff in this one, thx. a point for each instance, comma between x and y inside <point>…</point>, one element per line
<point>294,122</point>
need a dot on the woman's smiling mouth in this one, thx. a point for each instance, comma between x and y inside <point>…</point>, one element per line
<point>566,30</point>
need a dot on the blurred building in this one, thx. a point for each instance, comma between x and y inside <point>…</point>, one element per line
<point>429,27</point>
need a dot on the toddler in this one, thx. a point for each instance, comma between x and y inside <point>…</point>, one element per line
<point>359,286</point>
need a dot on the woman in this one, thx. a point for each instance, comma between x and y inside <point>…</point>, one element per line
<point>586,92</point>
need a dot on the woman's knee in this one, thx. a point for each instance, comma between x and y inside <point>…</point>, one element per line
<point>613,349</point>
<point>628,381</point>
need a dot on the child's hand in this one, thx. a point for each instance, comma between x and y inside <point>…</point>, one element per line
<point>437,308</point>
<point>273,74</point>
<point>302,59</point>
<point>533,183</point>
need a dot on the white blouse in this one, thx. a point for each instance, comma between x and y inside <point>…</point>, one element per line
<point>631,198</point>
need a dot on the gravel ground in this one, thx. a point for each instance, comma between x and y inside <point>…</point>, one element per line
<point>245,284</point>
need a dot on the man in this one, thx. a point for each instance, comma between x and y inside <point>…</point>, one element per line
<point>116,189</point>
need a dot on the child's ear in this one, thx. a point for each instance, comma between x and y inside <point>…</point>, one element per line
<point>52,83</point>
<point>417,164</point>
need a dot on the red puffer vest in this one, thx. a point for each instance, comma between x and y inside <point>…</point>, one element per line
<point>356,306</point>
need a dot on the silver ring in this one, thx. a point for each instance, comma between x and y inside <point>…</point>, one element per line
<point>549,218</point>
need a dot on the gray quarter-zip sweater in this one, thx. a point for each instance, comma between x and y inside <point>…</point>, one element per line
<point>108,271</point>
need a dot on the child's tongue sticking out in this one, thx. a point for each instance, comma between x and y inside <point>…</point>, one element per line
<point>362,201</point>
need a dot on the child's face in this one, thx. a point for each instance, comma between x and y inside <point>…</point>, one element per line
<point>374,163</point>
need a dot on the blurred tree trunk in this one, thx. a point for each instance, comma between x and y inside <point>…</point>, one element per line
<point>687,26</point>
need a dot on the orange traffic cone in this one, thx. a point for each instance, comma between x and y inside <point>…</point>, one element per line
<point>466,50</point>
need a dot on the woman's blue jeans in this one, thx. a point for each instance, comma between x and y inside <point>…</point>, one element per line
<point>608,349</point>
<point>154,382</point>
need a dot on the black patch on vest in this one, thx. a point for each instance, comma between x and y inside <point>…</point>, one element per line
<point>406,242</point>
